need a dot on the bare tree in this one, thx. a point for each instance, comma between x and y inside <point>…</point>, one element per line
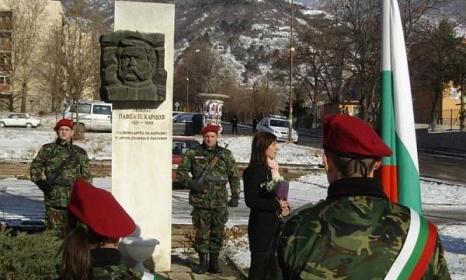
<point>435,61</point>
<point>321,57</point>
<point>81,62</point>
<point>51,80</point>
<point>264,97</point>
<point>202,70</point>
<point>28,24</point>
<point>343,53</point>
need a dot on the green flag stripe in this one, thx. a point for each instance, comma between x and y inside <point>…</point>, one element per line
<point>417,252</point>
<point>408,179</point>
<point>387,116</point>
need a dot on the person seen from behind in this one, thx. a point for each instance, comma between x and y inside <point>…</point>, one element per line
<point>96,223</point>
<point>266,209</point>
<point>234,125</point>
<point>54,169</point>
<point>254,125</point>
<point>356,232</point>
<point>209,196</point>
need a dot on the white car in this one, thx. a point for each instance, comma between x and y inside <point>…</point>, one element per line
<point>94,115</point>
<point>279,126</point>
<point>20,119</point>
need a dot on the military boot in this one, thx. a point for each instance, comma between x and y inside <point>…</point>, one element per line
<point>202,267</point>
<point>213,263</point>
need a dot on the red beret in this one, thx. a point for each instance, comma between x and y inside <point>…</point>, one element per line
<point>64,122</point>
<point>351,136</point>
<point>99,210</point>
<point>209,128</point>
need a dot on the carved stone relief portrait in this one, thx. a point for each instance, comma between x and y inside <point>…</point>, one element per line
<point>132,67</point>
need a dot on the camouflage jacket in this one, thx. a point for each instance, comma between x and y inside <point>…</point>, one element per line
<point>225,171</point>
<point>106,265</point>
<point>356,233</point>
<point>121,272</point>
<point>48,160</point>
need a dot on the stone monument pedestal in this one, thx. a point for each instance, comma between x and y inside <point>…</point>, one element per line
<point>142,138</point>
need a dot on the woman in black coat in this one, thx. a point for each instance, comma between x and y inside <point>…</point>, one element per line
<point>266,209</point>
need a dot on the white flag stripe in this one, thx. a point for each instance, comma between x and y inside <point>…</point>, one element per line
<point>401,85</point>
<point>408,246</point>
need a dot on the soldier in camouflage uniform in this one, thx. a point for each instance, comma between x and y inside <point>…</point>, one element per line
<point>97,222</point>
<point>356,232</point>
<point>210,211</point>
<point>61,163</point>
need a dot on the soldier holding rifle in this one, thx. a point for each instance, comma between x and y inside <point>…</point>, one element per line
<point>207,169</point>
<point>54,170</point>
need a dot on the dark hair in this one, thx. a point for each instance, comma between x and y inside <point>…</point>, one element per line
<point>76,250</point>
<point>351,166</point>
<point>261,141</point>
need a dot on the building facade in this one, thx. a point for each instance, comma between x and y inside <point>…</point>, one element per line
<point>25,25</point>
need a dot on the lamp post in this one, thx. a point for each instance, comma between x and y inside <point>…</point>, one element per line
<point>290,113</point>
<point>187,86</point>
<point>187,81</point>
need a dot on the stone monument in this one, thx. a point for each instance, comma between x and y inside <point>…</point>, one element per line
<point>137,78</point>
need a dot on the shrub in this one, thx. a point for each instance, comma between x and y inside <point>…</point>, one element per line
<point>28,256</point>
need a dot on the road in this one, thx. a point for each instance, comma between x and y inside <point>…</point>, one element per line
<point>447,168</point>
<point>444,168</point>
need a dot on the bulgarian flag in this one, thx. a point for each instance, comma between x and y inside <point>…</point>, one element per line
<point>400,172</point>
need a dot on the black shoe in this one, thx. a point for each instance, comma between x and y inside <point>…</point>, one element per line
<point>202,267</point>
<point>213,263</point>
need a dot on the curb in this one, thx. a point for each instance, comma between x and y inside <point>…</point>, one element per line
<point>455,154</point>
<point>234,266</point>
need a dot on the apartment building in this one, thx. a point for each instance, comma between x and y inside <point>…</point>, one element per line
<point>20,88</point>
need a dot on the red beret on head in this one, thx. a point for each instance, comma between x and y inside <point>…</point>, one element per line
<point>209,128</point>
<point>351,136</point>
<point>64,122</point>
<point>100,211</point>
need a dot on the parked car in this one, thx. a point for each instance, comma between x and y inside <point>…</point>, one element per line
<point>179,147</point>
<point>93,115</point>
<point>20,120</point>
<point>187,123</point>
<point>279,126</point>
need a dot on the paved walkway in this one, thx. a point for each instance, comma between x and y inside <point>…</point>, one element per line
<point>181,269</point>
<point>21,200</point>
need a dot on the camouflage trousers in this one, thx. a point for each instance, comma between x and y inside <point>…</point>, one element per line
<point>210,228</point>
<point>56,220</point>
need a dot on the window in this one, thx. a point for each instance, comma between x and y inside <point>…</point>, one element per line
<point>4,80</point>
<point>357,111</point>
<point>5,58</point>
<point>184,118</point>
<point>279,123</point>
<point>83,109</point>
<point>101,110</point>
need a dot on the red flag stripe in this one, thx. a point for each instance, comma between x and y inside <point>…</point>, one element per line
<point>429,249</point>
<point>389,179</point>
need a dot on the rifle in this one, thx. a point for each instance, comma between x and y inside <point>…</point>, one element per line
<point>60,168</point>
<point>198,185</point>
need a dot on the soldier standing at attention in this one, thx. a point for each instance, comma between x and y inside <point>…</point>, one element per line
<point>209,195</point>
<point>61,163</point>
<point>356,232</point>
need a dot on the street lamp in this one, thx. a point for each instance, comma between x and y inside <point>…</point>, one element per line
<point>187,81</point>
<point>187,86</point>
<point>290,113</point>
